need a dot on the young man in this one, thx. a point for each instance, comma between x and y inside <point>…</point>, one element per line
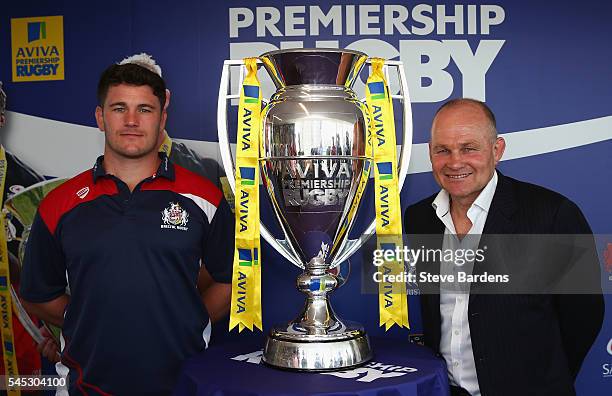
<point>134,239</point>
<point>500,343</point>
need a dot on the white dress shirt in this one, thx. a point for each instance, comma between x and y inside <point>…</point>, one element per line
<point>455,340</point>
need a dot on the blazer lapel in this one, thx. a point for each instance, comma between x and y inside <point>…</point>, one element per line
<point>434,234</point>
<point>500,221</point>
<point>502,209</point>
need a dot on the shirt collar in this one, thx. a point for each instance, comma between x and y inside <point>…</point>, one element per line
<point>98,169</point>
<point>484,199</point>
<point>165,169</point>
<point>441,203</point>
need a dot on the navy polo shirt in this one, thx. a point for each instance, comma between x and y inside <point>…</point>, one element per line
<point>131,261</point>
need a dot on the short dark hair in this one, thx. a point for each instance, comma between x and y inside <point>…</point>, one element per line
<point>2,100</point>
<point>482,105</point>
<point>131,74</point>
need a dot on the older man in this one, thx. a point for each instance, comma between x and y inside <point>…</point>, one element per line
<point>499,343</point>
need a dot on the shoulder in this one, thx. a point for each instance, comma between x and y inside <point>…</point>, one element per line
<point>201,191</point>
<point>419,215</point>
<point>189,182</point>
<point>422,206</point>
<point>534,197</point>
<point>66,196</point>
<point>553,211</point>
<point>525,191</point>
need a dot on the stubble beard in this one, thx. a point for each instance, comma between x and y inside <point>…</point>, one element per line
<point>127,154</point>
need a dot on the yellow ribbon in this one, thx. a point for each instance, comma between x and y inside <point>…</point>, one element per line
<point>8,342</point>
<point>393,307</point>
<point>166,146</point>
<point>245,311</point>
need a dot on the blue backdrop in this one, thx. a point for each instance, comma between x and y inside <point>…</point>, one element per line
<point>543,67</point>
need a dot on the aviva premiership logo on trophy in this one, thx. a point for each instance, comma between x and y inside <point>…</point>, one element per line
<point>37,48</point>
<point>175,217</point>
<point>319,183</point>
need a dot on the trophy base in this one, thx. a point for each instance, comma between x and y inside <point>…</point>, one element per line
<point>287,348</point>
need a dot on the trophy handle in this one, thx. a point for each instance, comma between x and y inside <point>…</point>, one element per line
<point>28,324</point>
<point>280,245</point>
<point>25,320</point>
<point>351,245</point>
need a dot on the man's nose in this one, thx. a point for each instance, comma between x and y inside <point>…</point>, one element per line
<point>131,118</point>
<point>455,160</point>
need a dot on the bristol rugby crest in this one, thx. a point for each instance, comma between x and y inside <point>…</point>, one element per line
<point>175,217</point>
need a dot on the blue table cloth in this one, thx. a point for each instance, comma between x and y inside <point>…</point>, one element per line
<point>398,368</point>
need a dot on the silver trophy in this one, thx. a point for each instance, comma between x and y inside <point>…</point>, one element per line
<point>313,163</point>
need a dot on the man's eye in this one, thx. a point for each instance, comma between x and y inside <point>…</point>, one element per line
<point>145,110</point>
<point>118,109</point>
<point>470,149</point>
<point>441,151</point>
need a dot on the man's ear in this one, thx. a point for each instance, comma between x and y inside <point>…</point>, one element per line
<point>100,118</point>
<point>167,100</point>
<point>162,121</point>
<point>498,149</point>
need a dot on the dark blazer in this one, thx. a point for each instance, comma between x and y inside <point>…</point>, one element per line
<point>523,344</point>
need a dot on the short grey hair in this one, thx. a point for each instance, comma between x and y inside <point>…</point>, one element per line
<point>485,109</point>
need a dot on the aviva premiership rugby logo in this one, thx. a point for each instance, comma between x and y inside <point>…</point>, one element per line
<point>175,217</point>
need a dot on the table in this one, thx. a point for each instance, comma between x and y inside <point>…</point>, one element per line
<point>398,368</point>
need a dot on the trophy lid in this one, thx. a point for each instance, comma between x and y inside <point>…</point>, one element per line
<point>320,66</point>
